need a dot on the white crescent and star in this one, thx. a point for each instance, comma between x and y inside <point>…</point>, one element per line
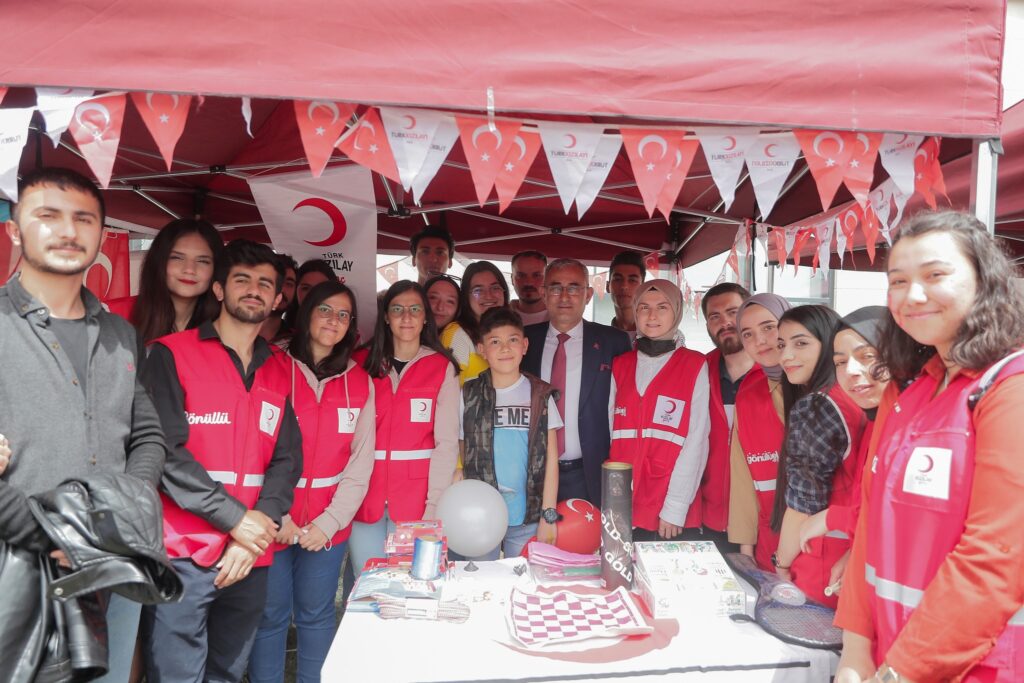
<point>827,135</point>
<point>363,124</point>
<point>103,261</point>
<point>863,139</point>
<point>329,106</point>
<point>652,139</point>
<point>338,224</point>
<point>149,100</point>
<point>93,106</point>
<point>485,129</point>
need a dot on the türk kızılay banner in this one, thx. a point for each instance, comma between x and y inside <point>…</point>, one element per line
<point>334,218</point>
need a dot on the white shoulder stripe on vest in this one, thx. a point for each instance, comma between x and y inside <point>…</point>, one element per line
<point>649,433</point>
<point>404,455</point>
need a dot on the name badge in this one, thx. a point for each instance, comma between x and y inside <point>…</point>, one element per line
<point>347,420</point>
<point>420,409</point>
<point>668,411</point>
<point>928,471</point>
<point>270,415</point>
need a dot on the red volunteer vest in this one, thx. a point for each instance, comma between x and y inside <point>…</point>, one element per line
<point>811,570</point>
<point>232,434</point>
<point>648,431</point>
<point>918,508</point>
<point>327,429</point>
<point>843,518</point>
<point>405,440</point>
<point>714,488</point>
<point>760,432</point>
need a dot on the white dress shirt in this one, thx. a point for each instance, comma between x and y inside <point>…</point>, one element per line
<point>573,378</point>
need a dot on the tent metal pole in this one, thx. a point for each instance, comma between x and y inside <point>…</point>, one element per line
<point>157,203</point>
<point>718,207</point>
<point>537,228</point>
<point>984,167</point>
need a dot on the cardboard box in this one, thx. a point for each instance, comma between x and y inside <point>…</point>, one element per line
<point>680,579</point>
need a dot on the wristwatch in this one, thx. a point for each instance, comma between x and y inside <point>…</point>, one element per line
<point>887,674</point>
<point>550,515</point>
<point>775,562</point>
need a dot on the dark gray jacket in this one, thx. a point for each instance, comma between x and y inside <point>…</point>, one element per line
<point>56,432</point>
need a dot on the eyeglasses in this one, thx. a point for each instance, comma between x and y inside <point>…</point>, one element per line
<point>414,311</point>
<point>571,290</point>
<point>324,311</point>
<point>493,290</point>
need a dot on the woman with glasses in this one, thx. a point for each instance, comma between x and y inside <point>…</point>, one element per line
<point>416,392</point>
<point>445,302</point>
<point>333,400</point>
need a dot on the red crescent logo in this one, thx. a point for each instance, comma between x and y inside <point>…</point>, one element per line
<point>338,225</point>
<point>931,464</point>
<point>351,416</point>
<point>768,150</point>
<point>903,138</point>
<point>412,122</point>
<point>673,408</point>
<point>732,143</point>
<point>572,141</point>
<point>423,406</point>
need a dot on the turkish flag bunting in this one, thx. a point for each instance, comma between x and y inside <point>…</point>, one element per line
<point>740,247</point>
<point>897,153</point>
<point>597,172</point>
<point>366,143</point>
<point>13,136</point>
<point>321,123</point>
<point>870,228</point>
<point>861,170</point>
<point>3,92</point>
<point>802,234</point>
<point>109,277</point>
<point>823,255</point>
<point>164,116</point>
<point>517,164</point>
<point>485,149</point>
<point>676,176</point>
<point>651,261</point>
<point>781,250</point>
<point>652,153</point>
<point>928,171</point>
<point>96,128</point>
<point>828,154</point>
<point>57,105</point>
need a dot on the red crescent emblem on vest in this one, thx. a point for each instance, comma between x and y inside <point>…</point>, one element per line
<point>672,409</point>
<point>929,467</point>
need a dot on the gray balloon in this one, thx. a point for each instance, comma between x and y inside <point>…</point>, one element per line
<point>474,516</point>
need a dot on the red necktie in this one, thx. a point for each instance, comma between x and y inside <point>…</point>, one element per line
<point>558,382</point>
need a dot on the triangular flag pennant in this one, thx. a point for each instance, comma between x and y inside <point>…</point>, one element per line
<point>96,128</point>
<point>321,123</point>
<point>848,222</point>
<point>411,131</point>
<point>781,249</point>
<point>444,139</point>
<point>840,239</point>
<point>928,171</point>
<point>247,114</point>
<point>651,261</point>
<point>770,161</point>
<point>900,200</point>
<point>366,143</point>
<point>897,152</point>
<point>799,240</point>
<point>676,176</point>
<point>881,206</point>
<point>598,283</point>
<point>164,116</point>
<point>486,149</point>
<point>3,93</point>
<point>57,105</point>
<point>597,172</point>
<point>726,150</point>
<point>860,173</point>
<point>815,256</point>
<point>13,136</point>
<point>870,228</point>
<point>740,248</point>
<point>517,164</point>
<point>109,276</point>
<point>828,155</point>
<point>824,254</point>
<point>570,148</point>
<point>761,233</point>
<point>790,238</point>
<point>652,153</point>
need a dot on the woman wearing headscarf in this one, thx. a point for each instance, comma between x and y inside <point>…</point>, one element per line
<point>659,417</point>
<point>757,430</point>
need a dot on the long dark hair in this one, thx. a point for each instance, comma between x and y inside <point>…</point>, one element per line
<point>313,265</point>
<point>994,326</point>
<point>153,314</point>
<point>429,284</point>
<point>300,347</point>
<point>382,347</point>
<point>466,318</point>
<point>822,322</point>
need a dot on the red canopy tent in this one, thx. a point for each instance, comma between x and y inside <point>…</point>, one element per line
<point>869,66</point>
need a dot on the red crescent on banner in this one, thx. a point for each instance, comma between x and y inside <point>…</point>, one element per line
<point>339,226</point>
<point>903,138</point>
<point>673,408</point>
<point>66,91</point>
<point>768,150</point>
<point>931,464</point>
<point>572,141</point>
<point>732,143</point>
<point>412,121</point>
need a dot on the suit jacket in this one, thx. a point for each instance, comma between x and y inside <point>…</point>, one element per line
<point>600,345</point>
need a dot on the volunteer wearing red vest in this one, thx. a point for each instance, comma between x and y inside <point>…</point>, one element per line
<point>934,589</point>
<point>855,356</point>
<point>174,284</point>
<point>416,389</point>
<point>659,417</point>
<point>333,399</point>
<point>728,364</point>
<point>818,464</point>
<point>234,457</point>
<point>757,430</point>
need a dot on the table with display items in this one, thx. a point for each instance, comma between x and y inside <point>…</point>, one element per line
<point>697,647</point>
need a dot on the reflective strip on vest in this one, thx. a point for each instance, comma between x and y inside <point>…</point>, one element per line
<point>624,434</point>
<point>767,485</point>
<point>404,455</point>
<point>231,478</point>
<point>649,433</point>
<point>838,534</point>
<point>322,482</point>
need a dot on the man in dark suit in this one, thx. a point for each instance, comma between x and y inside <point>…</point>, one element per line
<point>575,356</point>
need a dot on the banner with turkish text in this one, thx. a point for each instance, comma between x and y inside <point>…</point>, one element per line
<point>13,136</point>
<point>726,151</point>
<point>770,160</point>
<point>597,172</point>
<point>411,131</point>
<point>57,105</point>
<point>897,152</point>
<point>444,139</point>
<point>570,148</point>
<point>96,128</point>
<point>334,218</point>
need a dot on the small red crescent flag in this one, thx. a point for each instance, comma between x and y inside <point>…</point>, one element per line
<point>928,171</point>
<point>870,228</point>
<point>779,236</point>
<point>828,155</point>
<point>525,145</point>
<point>651,261</point>
<point>109,277</point>
<point>486,149</point>
<point>366,143</point>
<point>814,256</point>
<point>652,153</point>
<point>848,222</point>
<point>96,128</point>
<point>801,238</point>
<point>860,172</point>
<point>676,176</point>
<point>164,116</point>
<point>321,123</point>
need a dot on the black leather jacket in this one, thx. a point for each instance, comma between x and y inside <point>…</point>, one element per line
<point>52,621</point>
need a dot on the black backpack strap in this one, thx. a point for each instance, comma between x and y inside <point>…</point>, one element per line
<point>990,377</point>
